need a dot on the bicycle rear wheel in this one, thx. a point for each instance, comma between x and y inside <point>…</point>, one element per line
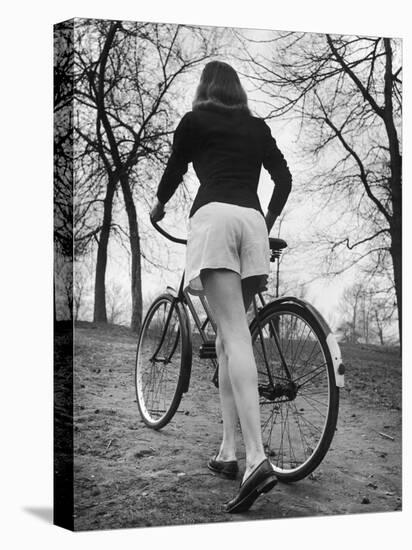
<point>298,396</point>
<point>163,361</point>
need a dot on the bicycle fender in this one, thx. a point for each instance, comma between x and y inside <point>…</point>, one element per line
<point>331,341</point>
<point>337,360</point>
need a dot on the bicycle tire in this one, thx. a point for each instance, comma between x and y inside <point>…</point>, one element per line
<point>286,406</point>
<point>159,389</point>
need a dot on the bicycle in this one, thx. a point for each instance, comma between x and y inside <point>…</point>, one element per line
<point>299,367</point>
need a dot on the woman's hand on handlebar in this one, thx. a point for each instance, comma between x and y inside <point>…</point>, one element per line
<point>158,211</point>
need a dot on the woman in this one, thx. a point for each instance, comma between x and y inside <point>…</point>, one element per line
<point>227,255</point>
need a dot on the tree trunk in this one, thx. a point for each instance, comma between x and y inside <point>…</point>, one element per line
<point>137,300</point>
<point>396,246</point>
<point>395,183</point>
<point>354,320</point>
<point>380,327</point>
<point>100,315</point>
<point>366,316</point>
<point>396,253</point>
<point>136,275</point>
<point>70,304</point>
<point>54,301</point>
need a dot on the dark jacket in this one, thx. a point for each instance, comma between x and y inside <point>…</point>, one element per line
<point>227,149</point>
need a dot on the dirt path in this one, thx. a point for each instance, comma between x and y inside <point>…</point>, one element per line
<point>127,475</point>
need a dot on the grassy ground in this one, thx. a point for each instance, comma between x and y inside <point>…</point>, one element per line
<point>127,475</point>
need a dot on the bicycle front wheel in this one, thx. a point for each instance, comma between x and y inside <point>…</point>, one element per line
<point>298,396</point>
<point>163,361</point>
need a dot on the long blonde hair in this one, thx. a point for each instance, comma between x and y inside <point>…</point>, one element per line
<point>220,87</point>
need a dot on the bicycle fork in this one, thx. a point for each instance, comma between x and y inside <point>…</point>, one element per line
<point>162,338</point>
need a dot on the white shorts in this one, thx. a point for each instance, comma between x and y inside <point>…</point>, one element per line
<point>222,235</point>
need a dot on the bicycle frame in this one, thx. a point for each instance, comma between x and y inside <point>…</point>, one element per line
<point>292,344</point>
<point>183,297</point>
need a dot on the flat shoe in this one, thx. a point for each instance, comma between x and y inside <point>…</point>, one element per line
<point>261,480</point>
<point>226,468</point>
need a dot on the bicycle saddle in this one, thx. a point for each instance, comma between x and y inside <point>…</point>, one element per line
<point>277,244</point>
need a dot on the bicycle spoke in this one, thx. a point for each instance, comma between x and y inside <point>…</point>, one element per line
<point>157,392</point>
<point>316,374</point>
<point>302,436</point>
<point>295,412</point>
<point>318,370</point>
<point>292,452</point>
<point>281,436</point>
<point>289,340</point>
<point>311,398</point>
<point>268,419</point>
<point>293,362</point>
<point>313,407</point>
<point>311,358</point>
<point>311,392</point>
<point>157,379</point>
<point>310,424</point>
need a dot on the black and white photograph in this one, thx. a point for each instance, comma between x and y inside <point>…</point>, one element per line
<point>227,274</point>
<point>205,306</point>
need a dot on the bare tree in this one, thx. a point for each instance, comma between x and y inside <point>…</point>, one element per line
<point>346,93</point>
<point>63,285</point>
<point>83,270</point>
<point>366,313</point>
<point>63,166</point>
<point>116,303</point>
<point>132,70</point>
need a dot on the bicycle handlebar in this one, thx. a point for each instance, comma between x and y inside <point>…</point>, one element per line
<point>275,244</point>
<point>166,234</point>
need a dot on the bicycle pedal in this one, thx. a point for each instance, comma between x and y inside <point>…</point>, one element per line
<point>207,350</point>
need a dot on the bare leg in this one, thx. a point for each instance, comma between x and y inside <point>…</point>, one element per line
<point>227,401</point>
<point>227,404</point>
<point>223,290</point>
